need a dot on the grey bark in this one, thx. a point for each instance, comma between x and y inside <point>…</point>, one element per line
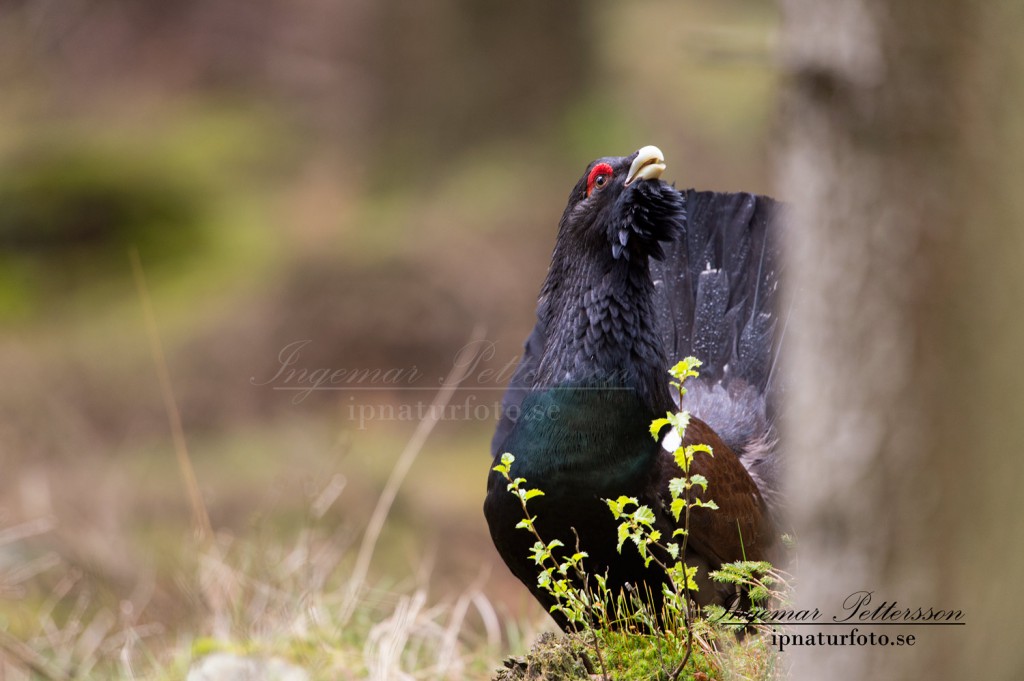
<point>903,154</point>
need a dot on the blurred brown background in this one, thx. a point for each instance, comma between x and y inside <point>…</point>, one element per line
<point>375,178</point>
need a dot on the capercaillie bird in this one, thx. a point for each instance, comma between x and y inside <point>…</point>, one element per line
<point>642,275</point>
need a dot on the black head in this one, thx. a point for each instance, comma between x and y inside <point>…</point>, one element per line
<point>596,305</point>
<point>621,204</point>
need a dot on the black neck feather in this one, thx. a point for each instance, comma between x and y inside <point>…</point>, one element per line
<point>598,312</point>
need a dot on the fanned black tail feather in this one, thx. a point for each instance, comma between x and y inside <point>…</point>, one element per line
<point>717,293</point>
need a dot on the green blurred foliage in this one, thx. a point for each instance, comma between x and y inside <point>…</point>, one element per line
<point>71,214</point>
<point>76,199</point>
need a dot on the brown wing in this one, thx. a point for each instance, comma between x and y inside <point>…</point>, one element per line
<point>740,529</point>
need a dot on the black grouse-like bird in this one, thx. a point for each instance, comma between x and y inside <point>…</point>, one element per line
<point>643,275</point>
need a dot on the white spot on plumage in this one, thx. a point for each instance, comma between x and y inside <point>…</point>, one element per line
<point>671,442</point>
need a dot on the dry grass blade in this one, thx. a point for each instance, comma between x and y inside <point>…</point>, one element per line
<point>200,517</point>
<point>30,658</point>
<point>401,469</point>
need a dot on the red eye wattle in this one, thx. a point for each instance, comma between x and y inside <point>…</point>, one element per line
<point>599,177</point>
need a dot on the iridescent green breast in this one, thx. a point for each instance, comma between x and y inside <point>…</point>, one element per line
<point>583,438</point>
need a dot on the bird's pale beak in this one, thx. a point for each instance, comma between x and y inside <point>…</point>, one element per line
<point>649,164</point>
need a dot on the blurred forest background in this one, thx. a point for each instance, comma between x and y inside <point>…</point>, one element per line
<point>375,178</point>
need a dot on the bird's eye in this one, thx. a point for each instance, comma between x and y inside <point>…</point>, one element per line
<point>599,177</point>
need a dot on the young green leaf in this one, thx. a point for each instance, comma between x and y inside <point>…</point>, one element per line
<point>676,487</point>
<point>700,448</point>
<point>677,507</point>
<point>642,515</point>
<point>526,523</point>
<point>506,464</point>
<point>623,535</point>
<point>657,425</point>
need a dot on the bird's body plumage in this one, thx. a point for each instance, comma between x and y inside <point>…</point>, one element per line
<point>641,276</point>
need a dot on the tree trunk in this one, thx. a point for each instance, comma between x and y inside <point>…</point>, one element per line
<point>903,156</point>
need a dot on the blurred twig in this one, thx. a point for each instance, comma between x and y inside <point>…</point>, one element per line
<point>398,473</point>
<point>200,517</point>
